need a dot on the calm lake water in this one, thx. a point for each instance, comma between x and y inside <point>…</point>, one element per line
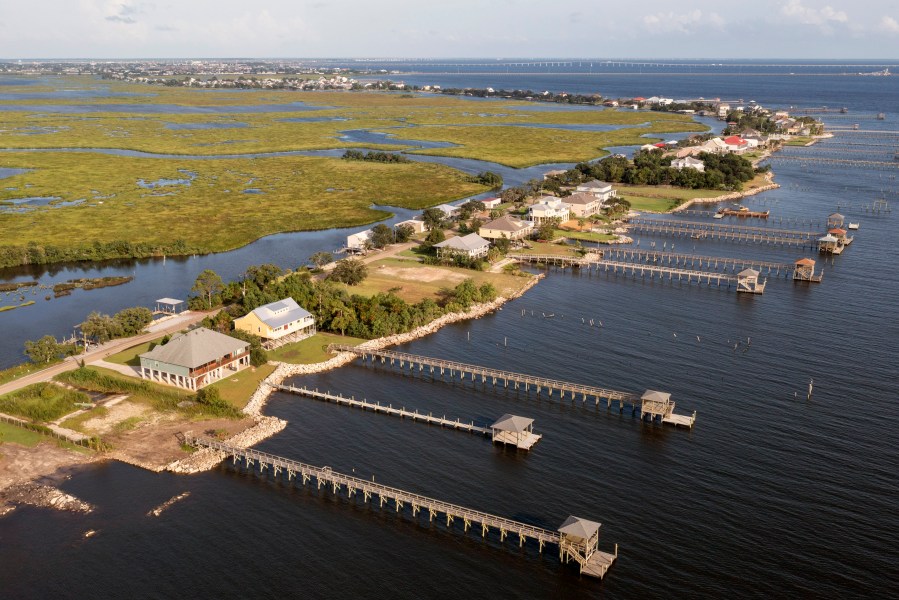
<point>769,495</point>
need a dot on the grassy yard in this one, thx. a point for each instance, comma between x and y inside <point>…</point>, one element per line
<point>312,349</point>
<point>586,236</point>
<point>413,281</point>
<point>546,248</point>
<point>19,435</point>
<point>13,373</point>
<point>41,402</point>
<point>661,198</point>
<point>238,388</point>
<point>130,356</point>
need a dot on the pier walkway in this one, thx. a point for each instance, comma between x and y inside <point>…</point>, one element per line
<point>595,563</point>
<point>840,162</point>
<point>387,410</point>
<point>694,260</point>
<point>506,378</point>
<point>725,232</point>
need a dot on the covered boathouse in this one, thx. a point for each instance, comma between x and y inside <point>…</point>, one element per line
<point>195,359</point>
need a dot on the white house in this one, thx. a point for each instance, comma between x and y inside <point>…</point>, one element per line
<point>547,208</point>
<point>715,146</point>
<point>723,110</point>
<point>583,204</point>
<point>600,189</point>
<point>417,225</point>
<point>449,211</point>
<point>471,245</point>
<point>357,241</point>
<point>491,203</point>
<point>688,163</point>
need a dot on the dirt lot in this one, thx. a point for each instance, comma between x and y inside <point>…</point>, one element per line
<point>154,442</point>
<point>427,274</point>
<point>45,462</point>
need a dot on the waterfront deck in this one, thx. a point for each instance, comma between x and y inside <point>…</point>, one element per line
<point>518,381</point>
<point>354,487</point>
<point>695,260</point>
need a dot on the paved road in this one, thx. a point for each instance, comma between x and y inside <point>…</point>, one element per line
<point>169,326</point>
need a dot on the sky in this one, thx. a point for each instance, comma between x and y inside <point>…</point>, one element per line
<point>808,29</point>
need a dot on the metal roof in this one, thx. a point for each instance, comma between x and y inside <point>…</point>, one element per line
<point>472,241</point>
<point>748,273</point>
<point>282,312</point>
<point>512,423</point>
<point>169,301</point>
<point>655,396</point>
<point>828,238</point>
<point>578,527</point>
<point>196,348</point>
<point>806,261</point>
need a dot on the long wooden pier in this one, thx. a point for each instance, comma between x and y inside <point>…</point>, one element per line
<point>725,232</point>
<point>694,260</point>
<point>594,563</point>
<point>518,381</point>
<point>692,212</point>
<point>377,407</point>
<point>840,162</point>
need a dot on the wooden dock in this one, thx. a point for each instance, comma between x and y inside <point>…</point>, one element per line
<point>693,212</point>
<point>518,381</point>
<point>596,563</point>
<point>672,273</point>
<point>838,162</point>
<point>694,260</point>
<point>724,232</point>
<point>377,407</point>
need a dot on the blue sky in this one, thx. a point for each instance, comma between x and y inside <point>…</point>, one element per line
<point>450,28</point>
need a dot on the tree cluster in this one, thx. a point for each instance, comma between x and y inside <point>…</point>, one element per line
<point>653,167</point>
<point>338,311</point>
<point>374,156</point>
<point>125,323</point>
<point>488,178</point>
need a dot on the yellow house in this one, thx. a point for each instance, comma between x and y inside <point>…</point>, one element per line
<point>280,322</point>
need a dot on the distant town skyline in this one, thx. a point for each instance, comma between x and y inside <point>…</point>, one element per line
<point>802,29</point>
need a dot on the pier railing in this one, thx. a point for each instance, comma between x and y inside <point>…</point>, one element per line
<point>490,373</point>
<point>328,478</point>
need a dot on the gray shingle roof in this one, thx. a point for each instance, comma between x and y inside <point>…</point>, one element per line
<point>196,348</point>
<point>654,396</point>
<point>578,527</point>
<point>512,423</point>
<point>280,313</point>
<point>595,184</point>
<point>506,223</point>
<point>580,198</point>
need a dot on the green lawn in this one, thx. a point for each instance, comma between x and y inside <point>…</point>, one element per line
<point>41,402</point>
<point>19,435</point>
<point>238,388</point>
<point>130,356</point>
<point>586,236</point>
<point>312,349</point>
<point>13,373</point>
<point>546,248</point>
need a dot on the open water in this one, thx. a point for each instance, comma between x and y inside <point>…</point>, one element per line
<point>770,495</point>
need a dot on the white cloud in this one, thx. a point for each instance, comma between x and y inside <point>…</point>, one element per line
<point>689,22</point>
<point>889,25</point>
<point>823,18</point>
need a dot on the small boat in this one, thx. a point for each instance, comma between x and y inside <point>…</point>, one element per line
<point>853,226</point>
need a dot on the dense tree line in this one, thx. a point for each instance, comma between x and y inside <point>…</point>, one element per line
<point>374,156</point>
<point>545,96</point>
<point>653,167</point>
<point>41,254</point>
<point>488,178</point>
